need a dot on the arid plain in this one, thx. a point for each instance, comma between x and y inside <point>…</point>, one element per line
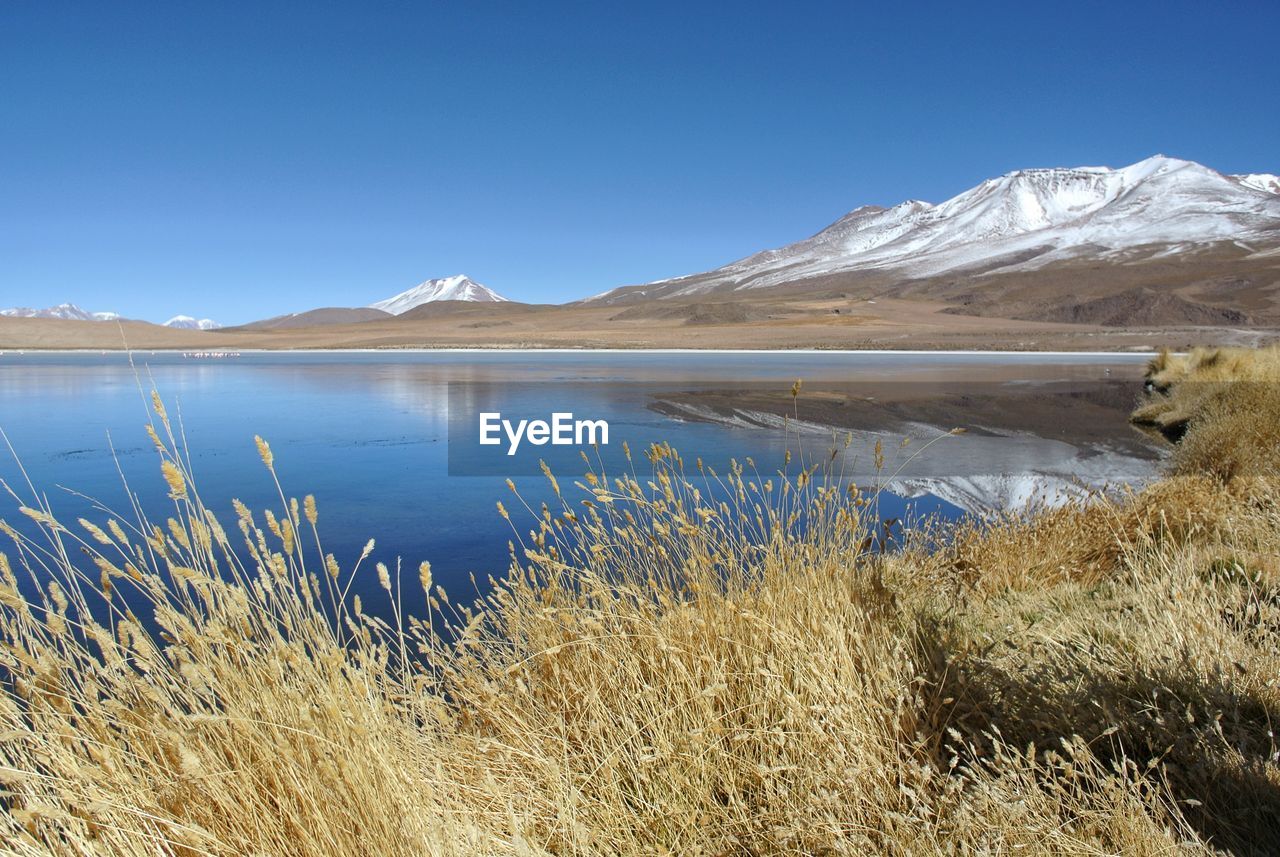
<point>776,323</point>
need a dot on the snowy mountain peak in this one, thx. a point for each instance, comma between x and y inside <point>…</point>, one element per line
<point>459,287</point>
<point>67,311</point>
<point>1020,221</point>
<point>186,322</point>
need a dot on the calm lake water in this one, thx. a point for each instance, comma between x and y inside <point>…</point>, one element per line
<point>367,433</point>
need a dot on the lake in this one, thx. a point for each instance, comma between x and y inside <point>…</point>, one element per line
<point>368,432</point>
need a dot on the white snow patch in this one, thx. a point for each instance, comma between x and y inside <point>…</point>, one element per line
<point>1260,181</point>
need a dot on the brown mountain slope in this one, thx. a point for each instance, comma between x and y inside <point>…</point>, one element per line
<point>1223,284</point>
<point>318,317</point>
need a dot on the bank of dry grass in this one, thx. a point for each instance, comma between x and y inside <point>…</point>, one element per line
<point>681,662</point>
<point>1221,407</point>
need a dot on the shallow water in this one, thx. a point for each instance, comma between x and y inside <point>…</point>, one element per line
<point>367,432</point>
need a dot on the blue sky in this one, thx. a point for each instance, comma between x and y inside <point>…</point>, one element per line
<point>240,160</point>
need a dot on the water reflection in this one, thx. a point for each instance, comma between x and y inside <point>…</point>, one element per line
<point>367,432</point>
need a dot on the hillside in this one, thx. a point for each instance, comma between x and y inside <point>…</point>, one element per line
<point>1025,223</point>
<point>319,318</point>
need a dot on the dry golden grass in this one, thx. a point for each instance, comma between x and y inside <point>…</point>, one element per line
<point>1222,407</point>
<point>679,662</point>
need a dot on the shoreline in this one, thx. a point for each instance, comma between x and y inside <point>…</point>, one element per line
<point>1146,353</point>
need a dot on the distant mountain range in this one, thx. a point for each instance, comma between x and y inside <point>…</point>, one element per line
<point>459,287</point>
<point>1162,243</point>
<point>1022,222</point>
<point>71,312</point>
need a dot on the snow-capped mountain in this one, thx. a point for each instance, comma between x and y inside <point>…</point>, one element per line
<point>70,312</point>
<point>186,322</point>
<point>1021,221</point>
<point>456,288</point>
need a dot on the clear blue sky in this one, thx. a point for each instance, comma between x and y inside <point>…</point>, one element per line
<point>239,160</point>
